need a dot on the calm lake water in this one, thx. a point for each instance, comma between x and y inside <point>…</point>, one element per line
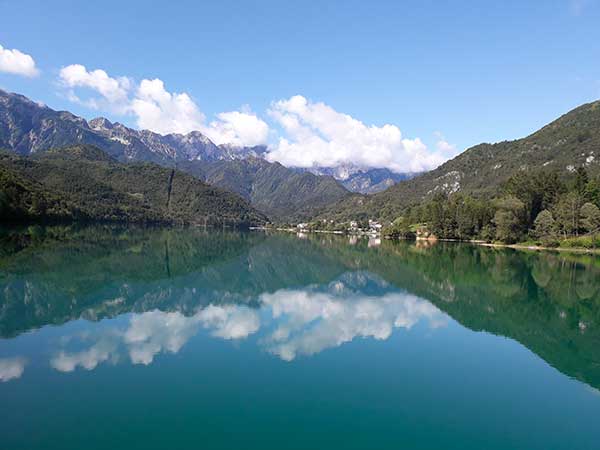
<point>134,338</point>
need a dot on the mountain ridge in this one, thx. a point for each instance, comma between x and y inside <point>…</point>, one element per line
<point>28,127</point>
<point>570,141</point>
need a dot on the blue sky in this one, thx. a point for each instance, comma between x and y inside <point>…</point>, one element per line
<point>458,72</point>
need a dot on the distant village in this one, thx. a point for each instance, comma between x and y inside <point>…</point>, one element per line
<point>371,228</point>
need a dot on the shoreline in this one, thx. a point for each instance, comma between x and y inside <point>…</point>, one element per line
<point>581,250</point>
<point>536,248</point>
<point>295,230</point>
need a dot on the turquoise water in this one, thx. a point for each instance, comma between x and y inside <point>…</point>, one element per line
<point>152,338</point>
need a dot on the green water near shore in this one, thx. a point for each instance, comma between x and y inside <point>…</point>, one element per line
<point>154,338</point>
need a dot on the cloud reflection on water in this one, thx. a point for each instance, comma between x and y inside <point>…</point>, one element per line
<point>154,332</point>
<point>11,368</point>
<point>293,322</point>
<point>310,322</point>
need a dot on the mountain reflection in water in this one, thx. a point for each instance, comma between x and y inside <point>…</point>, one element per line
<point>299,297</point>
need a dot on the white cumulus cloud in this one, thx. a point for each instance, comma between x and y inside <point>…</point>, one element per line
<point>312,134</point>
<point>158,110</point>
<point>18,63</point>
<point>114,90</point>
<point>238,128</point>
<point>318,135</point>
<point>163,112</point>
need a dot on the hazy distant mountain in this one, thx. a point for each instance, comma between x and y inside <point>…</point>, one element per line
<point>86,184</point>
<point>571,141</point>
<point>364,181</point>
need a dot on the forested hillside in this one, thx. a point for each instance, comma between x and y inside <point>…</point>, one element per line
<point>534,205</point>
<point>28,129</point>
<point>561,147</point>
<point>84,183</point>
<point>281,193</point>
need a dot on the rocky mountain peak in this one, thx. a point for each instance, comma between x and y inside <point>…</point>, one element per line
<point>80,121</point>
<point>195,136</point>
<point>100,123</point>
<point>32,128</point>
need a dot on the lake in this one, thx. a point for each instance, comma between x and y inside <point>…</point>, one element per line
<point>152,338</point>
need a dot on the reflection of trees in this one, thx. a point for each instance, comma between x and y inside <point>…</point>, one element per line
<point>94,272</point>
<point>549,302</point>
<point>586,283</point>
<point>542,270</point>
<point>505,274</point>
<point>52,275</point>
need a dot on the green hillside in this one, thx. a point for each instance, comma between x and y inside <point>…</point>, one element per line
<point>571,141</point>
<point>28,128</point>
<point>281,193</point>
<point>84,183</point>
